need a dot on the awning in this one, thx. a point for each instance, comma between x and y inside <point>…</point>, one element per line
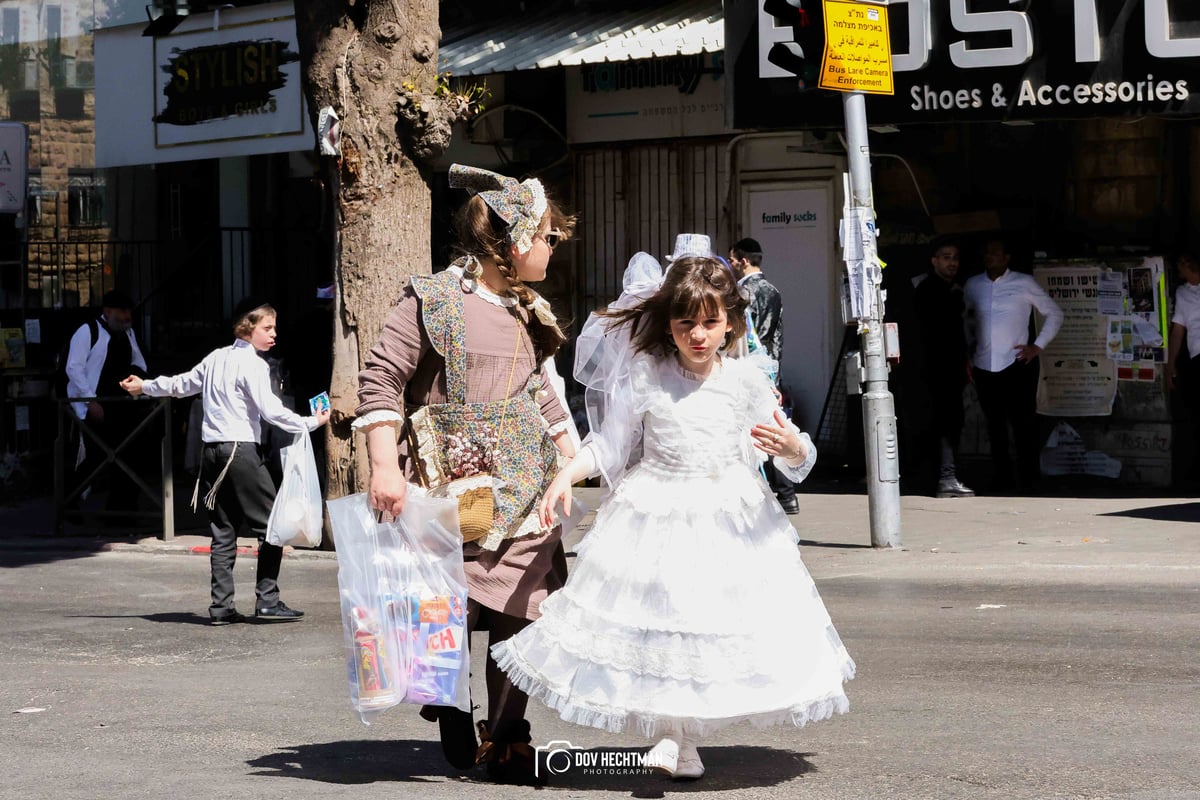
<point>570,38</point>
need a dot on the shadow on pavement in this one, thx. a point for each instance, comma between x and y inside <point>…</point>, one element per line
<point>357,762</point>
<point>839,545</point>
<point>1177,512</point>
<point>174,617</point>
<point>410,760</point>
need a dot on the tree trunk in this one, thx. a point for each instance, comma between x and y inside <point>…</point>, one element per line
<point>374,63</point>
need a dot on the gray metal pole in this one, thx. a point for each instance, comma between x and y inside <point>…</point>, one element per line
<point>879,409</point>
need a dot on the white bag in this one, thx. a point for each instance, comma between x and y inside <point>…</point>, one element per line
<point>296,517</point>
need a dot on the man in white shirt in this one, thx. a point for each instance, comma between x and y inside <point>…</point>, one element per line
<point>100,355</point>
<point>1005,366</point>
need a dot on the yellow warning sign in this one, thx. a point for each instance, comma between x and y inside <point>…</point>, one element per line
<point>858,52</point>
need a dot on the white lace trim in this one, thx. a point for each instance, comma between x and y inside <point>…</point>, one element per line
<point>648,723</point>
<point>456,488</point>
<point>557,428</point>
<point>481,291</point>
<point>374,417</point>
<point>530,526</point>
<point>694,657</point>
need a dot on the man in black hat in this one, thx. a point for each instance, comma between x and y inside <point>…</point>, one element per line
<point>101,354</point>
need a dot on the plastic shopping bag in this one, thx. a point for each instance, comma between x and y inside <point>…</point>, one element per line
<point>296,515</point>
<point>404,604</point>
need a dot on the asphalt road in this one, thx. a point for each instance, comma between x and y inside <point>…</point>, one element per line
<point>1054,663</point>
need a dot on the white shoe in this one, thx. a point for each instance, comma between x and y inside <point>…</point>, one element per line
<point>688,766</point>
<point>664,756</point>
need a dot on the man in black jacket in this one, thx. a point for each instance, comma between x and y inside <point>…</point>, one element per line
<point>766,310</point>
<point>939,306</point>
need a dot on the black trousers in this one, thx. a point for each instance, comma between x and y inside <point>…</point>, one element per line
<point>784,489</point>
<point>119,421</point>
<point>945,427</point>
<point>1009,398</point>
<point>246,494</point>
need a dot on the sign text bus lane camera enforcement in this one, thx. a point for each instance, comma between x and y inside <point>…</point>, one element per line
<point>858,50</point>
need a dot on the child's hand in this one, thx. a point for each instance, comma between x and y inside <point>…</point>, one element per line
<point>388,490</point>
<point>132,384</point>
<point>779,439</point>
<point>559,491</point>
<point>322,417</point>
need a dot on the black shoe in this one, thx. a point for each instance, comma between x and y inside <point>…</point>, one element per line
<point>508,754</point>
<point>456,729</point>
<point>790,506</point>
<point>227,619</point>
<point>278,613</point>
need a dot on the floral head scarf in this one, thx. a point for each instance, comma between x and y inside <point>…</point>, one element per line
<point>521,204</point>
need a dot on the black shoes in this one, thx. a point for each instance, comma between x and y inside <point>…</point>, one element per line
<point>508,754</point>
<point>278,613</point>
<point>790,506</point>
<point>227,619</point>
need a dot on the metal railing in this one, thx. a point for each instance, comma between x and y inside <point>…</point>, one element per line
<point>69,423</point>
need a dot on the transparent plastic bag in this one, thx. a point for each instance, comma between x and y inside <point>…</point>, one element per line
<point>296,515</point>
<point>404,604</point>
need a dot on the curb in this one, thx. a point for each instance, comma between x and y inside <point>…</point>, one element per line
<point>153,547</point>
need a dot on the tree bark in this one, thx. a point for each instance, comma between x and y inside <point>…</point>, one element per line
<point>374,63</point>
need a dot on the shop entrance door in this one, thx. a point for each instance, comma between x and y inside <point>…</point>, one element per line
<point>794,222</point>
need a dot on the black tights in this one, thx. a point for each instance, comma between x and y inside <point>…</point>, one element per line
<point>505,701</point>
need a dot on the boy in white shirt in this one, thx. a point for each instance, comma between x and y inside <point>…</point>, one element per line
<point>234,384</point>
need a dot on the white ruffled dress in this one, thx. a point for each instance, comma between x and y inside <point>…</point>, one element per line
<point>688,606</point>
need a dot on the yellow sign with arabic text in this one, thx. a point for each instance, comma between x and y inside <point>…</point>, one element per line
<point>858,51</point>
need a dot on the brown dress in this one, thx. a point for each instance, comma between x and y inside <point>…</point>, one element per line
<point>403,369</point>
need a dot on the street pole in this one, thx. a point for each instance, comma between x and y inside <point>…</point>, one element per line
<point>879,409</point>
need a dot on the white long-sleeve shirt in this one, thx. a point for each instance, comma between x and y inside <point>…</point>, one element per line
<point>1187,314</point>
<point>235,386</point>
<point>1001,310</point>
<point>85,362</point>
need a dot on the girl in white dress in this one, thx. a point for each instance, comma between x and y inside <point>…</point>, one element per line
<point>688,608</point>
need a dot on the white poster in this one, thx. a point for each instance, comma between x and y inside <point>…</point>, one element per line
<point>796,228</point>
<point>1078,379</point>
<point>236,82</point>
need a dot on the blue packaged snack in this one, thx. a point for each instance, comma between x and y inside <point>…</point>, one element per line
<point>319,403</point>
<point>439,629</point>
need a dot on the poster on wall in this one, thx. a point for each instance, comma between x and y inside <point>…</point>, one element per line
<point>1078,379</point>
<point>241,81</point>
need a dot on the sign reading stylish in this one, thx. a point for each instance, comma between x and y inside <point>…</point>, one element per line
<point>232,83</point>
<point>1001,60</point>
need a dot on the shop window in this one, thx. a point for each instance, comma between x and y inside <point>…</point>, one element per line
<point>85,200</point>
<point>35,203</point>
<point>68,103</point>
<point>25,105</point>
<point>10,26</point>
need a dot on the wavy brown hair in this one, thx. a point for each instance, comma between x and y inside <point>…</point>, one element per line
<point>483,234</point>
<point>694,287</point>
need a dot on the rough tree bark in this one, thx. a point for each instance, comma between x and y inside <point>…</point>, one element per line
<point>374,62</point>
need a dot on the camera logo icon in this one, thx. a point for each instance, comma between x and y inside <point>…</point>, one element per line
<point>554,758</point>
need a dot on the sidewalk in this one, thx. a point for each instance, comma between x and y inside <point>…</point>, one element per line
<point>979,531</point>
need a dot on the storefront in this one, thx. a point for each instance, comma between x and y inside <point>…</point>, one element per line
<point>210,161</point>
<point>1066,126</point>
